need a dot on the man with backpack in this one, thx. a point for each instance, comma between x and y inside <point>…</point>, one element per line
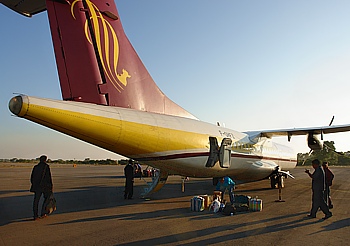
<point>41,184</point>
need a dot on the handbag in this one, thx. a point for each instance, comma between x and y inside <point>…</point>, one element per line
<point>51,204</point>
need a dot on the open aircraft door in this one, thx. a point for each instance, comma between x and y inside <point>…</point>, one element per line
<point>222,154</point>
<point>225,153</point>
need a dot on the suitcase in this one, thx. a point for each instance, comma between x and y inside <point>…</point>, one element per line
<point>229,209</point>
<point>197,203</point>
<point>241,199</point>
<point>207,200</point>
<point>217,194</point>
<point>255,204</point>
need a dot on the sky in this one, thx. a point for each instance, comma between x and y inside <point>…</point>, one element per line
<point>250,65</point>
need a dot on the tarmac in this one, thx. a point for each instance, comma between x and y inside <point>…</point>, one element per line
<point>91,210</point>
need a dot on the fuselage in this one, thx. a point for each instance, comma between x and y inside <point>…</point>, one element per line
<point>175,144</point>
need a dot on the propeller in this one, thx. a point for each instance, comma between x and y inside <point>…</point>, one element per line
<point>315,144</point>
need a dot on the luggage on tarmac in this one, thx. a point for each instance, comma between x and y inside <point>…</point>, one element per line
<point>217,195</point>
<point>255,204</point>
<point>207,200</point>
<point>229,209</point>
<point>50,206</point>
<point>215,206</point>
<point>197,203</point>
<point>241,203</point>
<point>241,199</point>
<point>242,207</point>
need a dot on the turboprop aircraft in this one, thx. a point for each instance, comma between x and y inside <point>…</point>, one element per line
<point>111,101</point>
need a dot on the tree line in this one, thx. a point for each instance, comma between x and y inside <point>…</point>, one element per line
<point>328,153</point>
<point>61,161</point>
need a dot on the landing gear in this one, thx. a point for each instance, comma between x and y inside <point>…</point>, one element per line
<point>274,181</point>
<point>279,178</point>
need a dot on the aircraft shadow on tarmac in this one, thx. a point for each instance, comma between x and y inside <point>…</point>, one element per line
<point>101,197</point>
<point>337,225</point>
<point>19,207</point>
<point>231,231</point>
<point>4,192</point>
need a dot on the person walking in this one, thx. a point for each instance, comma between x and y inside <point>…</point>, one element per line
<point>41,184</point>
<point>129,180</point>
<point>318,187</point>
<point>329,176</point>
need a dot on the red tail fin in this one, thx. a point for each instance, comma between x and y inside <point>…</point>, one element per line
<point>97,63</point>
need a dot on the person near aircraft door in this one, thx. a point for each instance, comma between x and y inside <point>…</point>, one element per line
<point>329,180</point>
<point>224,184</point>
<point>318,187</point>
<point>137,170</point>
<point>129,180</point>
<point>41,184</point>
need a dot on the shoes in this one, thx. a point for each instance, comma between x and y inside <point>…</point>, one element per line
<point>43,216</point>
<point>311,216</point>
<point>36,218</point>
<point>330,206</point>
<point>327,216</point>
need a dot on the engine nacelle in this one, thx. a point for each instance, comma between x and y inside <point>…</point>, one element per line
<point>313,142</point>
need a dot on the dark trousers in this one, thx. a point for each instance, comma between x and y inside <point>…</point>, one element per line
<point>37,196</point>
<point>319,202</point>
<point>230,193</point>
<point>129,188</point>
<point>327,196</point>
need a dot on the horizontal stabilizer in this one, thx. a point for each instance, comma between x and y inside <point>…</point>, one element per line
<point>25,7</point>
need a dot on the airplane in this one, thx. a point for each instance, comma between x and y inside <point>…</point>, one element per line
<point>111,101</point>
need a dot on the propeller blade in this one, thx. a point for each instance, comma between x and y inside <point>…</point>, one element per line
<point>330,123</point>
<point>307,157</point>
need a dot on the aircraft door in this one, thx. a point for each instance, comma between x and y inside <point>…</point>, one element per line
<point>225,153</point>
<point>222,154</point>
<point>213,152</point>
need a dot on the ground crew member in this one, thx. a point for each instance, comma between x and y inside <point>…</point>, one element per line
<point>224,184</point>
<point>129,180</point>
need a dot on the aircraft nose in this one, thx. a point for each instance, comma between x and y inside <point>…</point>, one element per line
<point>15,105</point>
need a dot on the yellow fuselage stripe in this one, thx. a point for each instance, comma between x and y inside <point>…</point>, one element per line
<point>120,136</point>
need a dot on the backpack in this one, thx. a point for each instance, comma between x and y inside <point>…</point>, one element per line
<point>229,209</point>
<point>215,206</point>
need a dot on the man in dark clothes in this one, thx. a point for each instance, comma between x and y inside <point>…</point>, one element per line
<point>318,187</point>
<point>41,184</point>
<point>129,180</point>
<point>329,180</point>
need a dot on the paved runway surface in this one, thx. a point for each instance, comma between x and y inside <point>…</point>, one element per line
<point>92,211</point>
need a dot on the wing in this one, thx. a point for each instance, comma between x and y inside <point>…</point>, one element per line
<point>255,135</point>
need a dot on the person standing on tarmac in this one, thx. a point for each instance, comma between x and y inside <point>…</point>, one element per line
<point>318,187</point>
<point>329,180</point>
<point>224,184</point>
<point>129,180</point>
<point>41,184</point>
